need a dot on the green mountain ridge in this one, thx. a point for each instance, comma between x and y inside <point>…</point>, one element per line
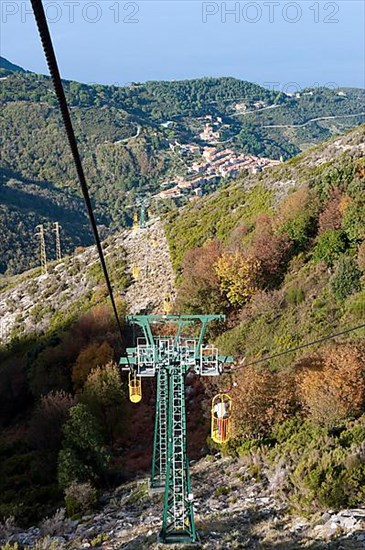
<point>125,144</point>
<point>11,67</point>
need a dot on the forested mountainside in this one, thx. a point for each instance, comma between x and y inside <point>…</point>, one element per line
<point>127,138</point>
<point>24,204</point>
<point>282,255</point>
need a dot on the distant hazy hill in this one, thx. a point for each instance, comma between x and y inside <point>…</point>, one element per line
<point>8,66</point>
<point>124,141</point>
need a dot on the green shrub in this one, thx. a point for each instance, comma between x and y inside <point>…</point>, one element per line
<point>328,479</point>
<point>294,295</point>
<point>323,470</point>
<point>318,480</point>
<point>346,279</point>
<point>248,445</point>
<point>46,543</point>
<point>354,435</point>
<point>83,457</point>
<point>222,490</point>
<point>329,247</point>
<point>297,229</point>
<point>356,305</point>
<point>99,539</point>
<point>354,483</point>
<point>353,221</point>
<point>283,431</point>
<point>104,397</point>
<point>80,499</point>
<point>139,493</point>
<point>297,216</point>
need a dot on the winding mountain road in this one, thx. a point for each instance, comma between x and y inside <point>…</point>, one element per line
<point>310,121</point>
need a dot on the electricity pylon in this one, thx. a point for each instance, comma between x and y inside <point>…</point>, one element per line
<point>42,248</point>
<point>170,358</point>
<point>56,229</point>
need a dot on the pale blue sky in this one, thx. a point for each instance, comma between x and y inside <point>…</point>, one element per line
<point>303,42</point>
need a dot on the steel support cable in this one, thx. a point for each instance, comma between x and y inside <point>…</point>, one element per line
<point>46,40</point>
<point>302,346</point>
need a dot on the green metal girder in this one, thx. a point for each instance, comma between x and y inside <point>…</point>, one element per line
<point>142,319</point>
<point>159,458</point>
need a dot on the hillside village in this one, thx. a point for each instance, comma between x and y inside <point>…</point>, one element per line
<point>209,169</point>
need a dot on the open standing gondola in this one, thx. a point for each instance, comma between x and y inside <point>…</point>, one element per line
<point>221,418</point>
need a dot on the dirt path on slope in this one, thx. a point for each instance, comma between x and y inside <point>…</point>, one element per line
<point>149,263</point>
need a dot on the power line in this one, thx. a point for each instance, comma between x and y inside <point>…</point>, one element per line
<point>279,354</point>
<point>60,93</point>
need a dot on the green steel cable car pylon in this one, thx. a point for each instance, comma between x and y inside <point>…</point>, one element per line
<point>170,358</point>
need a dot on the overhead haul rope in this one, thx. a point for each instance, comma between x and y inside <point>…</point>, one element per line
<point>291,350</point>
<point>60,93</point>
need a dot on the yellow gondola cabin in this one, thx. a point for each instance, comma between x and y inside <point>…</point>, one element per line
<point>221,418</point>
<point>135,387</point>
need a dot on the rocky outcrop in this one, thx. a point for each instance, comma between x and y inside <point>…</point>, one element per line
<point>149,264</point>
<point>31,303</point>
<point>232,510</point>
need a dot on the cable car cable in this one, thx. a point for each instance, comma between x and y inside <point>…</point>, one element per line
<point>49,52</point>
<point>279,354</point>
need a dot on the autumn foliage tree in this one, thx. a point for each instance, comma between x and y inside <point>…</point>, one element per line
<point>331,216</point>
<point>94,355</point>
<point>237,236</point>
<point>271,249</point>
<point>261,399</point>
<point>105,398</point>
<point>98,325</point>
<point>53,368</point>
<point>199,291</point>
<point>45,430</point>
<point>238,276</point>
<point>333,389</point>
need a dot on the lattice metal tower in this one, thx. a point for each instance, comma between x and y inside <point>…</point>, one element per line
<point>170,358</point>
<point>56,229</point>
<point>42,248</point>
